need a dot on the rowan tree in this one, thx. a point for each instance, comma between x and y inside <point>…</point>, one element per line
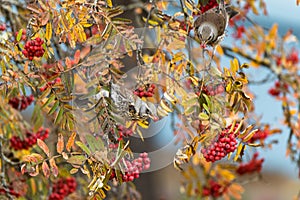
<point>93,74</point>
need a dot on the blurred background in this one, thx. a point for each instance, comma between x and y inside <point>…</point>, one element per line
<point>279,179</point>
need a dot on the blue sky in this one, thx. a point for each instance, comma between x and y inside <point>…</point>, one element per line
<point>287,15</point>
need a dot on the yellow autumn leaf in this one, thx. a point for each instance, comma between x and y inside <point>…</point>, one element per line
<point>48,33</point>
<point>226,174</point>
<point>80,32</point>
<point>249,136</point>
<point>234,65</point>
<point>235,190</point>
<point>33,186</point>
<point>273,32</point>
<point>238,152</point>
<point>219,49</point>
<point>109,3</point>
<point>71,141</point>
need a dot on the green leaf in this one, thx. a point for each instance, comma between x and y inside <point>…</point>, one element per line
<point>120,21</point>
<point>203,116</point>
<point>59,115</point>
<point>49,100</point>
<point>83,147</point>
<point>21,85</point>
<point>94,143</point>
<point>45,93</point>
<point>37,118</point>
<point>191,101</point>
<point>19,36</point>
<point>206,108</point>
<point>189,110</point>
<point>54,108</point>
<point>77,160</point>
<point>115,12</point>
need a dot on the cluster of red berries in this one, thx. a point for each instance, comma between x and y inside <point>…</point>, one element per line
<point>213,189</point>
<point>30,139</point>
<point>259,135</point>
<point>62,188</point>
<point>239,32</point>
<point>225,144</point>
<point>2,27</point>
<point>134,168</point>
<point>51,83</point>
<point>145,91</point>
<point>113,145</point>
<point>293,57</point>
<point>23,37</point>
<point>254,165</point>
<point>211,4</point>
<point>21,103</point>
<point>278,88</point>
<point>95,29</point>
<point>212,91</point>
<point>11,192</point>
<point>34,48</point>
<point>124,132</point>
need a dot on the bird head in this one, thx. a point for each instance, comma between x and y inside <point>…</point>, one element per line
<point>210,26</point>
<point>207,33</point>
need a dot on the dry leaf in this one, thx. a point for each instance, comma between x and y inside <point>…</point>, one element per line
<point>46,169</point>
<point>60,143</point>
<point>54,168</point>
<point>71,141</point>
<point>43,146</point>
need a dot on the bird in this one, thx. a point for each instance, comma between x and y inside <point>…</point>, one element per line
<point>210,26</point>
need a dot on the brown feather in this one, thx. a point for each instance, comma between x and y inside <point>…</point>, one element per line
<point>215,18</point>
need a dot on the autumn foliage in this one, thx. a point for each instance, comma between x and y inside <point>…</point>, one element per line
<point>91,79</point>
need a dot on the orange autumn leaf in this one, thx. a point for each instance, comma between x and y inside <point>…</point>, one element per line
<point>60,143</point>
<point>43,146</point>
<point>54,168</point>
<point>46,169</point>
<point>71,141</point>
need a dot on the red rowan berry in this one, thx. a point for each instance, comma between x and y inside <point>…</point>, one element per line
<point>33,48</point>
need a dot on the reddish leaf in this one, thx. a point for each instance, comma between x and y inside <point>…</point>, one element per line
<point>46,169</point>
<point>43,146</point>
<point>85,51</point>
<point>71,141</point>
<point>68,63</point>
<point>34,158</point>
<point>54,168</point>
<point>76,57</point>
<point>60,143</point>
